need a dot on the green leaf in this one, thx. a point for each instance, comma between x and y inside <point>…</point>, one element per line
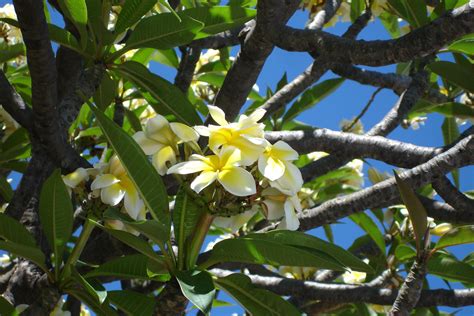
<point>161,31</point>
<point>404,252</point>
<point>464,45</point>
<point>136,243</point>
<point>198,288</point>
<point>169,96</point>
<point>416,11</point>
<point>300,239</point>
<point>312,96</point>
<point>91,301</point>
<point>106,92</point>
<point>8,52</point>
<point>7,309</point>
<point>357,6</point>
<point>56,214</point>
<point>256,301</point>
<point>254,250</point>
<point>186,214</point>
<point>132,11</point>
<point>64,38</point>
<point>93,288</point>
<point>31,253</point>
<point>369,226</point>
<point>450,134</point>
<point>11,230</point>
<point>451,269</point>
<point>166,57</point>
<point>76,11</point>
<point>127,267</point>
<point>140,170</point>
<point>456,236</point>
<point>132,303</point>
<point>454,73</point>
<point>416,211</point>
<point>152,229</point>
<point>5,189</point>
<point>218,19</point>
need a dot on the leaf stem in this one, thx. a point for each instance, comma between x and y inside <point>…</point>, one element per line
<point>200,232</point>
<point>78,248</point>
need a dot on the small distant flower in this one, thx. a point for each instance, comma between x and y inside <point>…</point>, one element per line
<point>234,223</point>
<point>161,138</point>
<point>58,309</point>
<point>441,229</point>
<point>9,33</point>
<point>354,277</point>
<point>114,186</point>
<point>225,168</point>
<point>298,273</point>
<point>279,205</point>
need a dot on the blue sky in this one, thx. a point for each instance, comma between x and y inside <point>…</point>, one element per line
<point>346,103</point>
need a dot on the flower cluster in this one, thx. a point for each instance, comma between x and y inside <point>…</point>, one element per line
<point>239,170</point>
<point>8,33</point>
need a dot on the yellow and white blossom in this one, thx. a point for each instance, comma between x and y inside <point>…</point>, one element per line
<point>225,168</point>
<point>298,273</point>
<point>272,162</point>
<point>73,179</point>
<point>279,205</point>
<point>10,34</point>
<point>291,182</point>
<point>161,140</point>
<point>354,277</point>
<point>114,186</point>
<point>441,229</point>
<point>234,223</point>
<point>247,134</point>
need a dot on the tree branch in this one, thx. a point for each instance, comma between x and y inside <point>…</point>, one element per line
<point>14,104</point>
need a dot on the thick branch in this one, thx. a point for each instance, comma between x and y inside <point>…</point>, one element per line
<point>190,57</point>
<point>421,42</point>
<point>452,196</point>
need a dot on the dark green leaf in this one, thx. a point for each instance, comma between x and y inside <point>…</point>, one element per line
<point>416,211</point>
<point>152,229</point>
<point>464,45</point>
<point>106,92</point>
<point>295,238</point>
<point>312,96</point>
<point>369,226</point>
<point>132,303</point>
<point>93,288</point>
<point>357,6</point>
<point>8,52</point>
<point>12,230</point>
<point>5,189</point>
<point>404,252</point>
<point>167,94</point>
<point>250,250</point>
<point>64,38</point>
<point>451,269</point>
<point>161,31</point>
<point>28,252</point>
<point>140,170</point>
<point>454,73</point>
<point>456,236</point>
<point>198,288</point>
<point>218,19</point>
<point>256,301</point>
<point>7,309</point>
<point>186,214</point>
<point>132,11</point>
<point>56,214</point>
<point>127,267</point>
<point>76,11</point>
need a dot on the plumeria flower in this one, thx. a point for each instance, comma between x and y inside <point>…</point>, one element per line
<point>247,134</point>
<point>299,273</point>
<point>115,185</point>
<point>272,162</point>
<point>73,179</point>
<point>234,223</point>
<point>58,309</point>
<point>441,229</point>
<point>9,33</point>
<point>225,168</point>
<point>354,277</point>
<point>161,140</point>
<point>279,205</point>
<point>290,182</point>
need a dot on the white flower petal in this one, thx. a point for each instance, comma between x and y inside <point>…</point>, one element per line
<point>104,181</point>
<point>237,181</point>
<point>188,167</point>
<point>184,132</point>
<point>217,115</point>
<point>291,218</point>
<point>155,125</point>
<point>284,151</point>
<point>234,222</point>
<point>202,130</point>
<point>203,180</point>
<point>291,181</point>
<point>162,158</point>
<point>257,114</point>
<point>133,204</point>
<point>112,195</point>
<point>149,146</point>
<point>73,179</point>
<point>270,168</point>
